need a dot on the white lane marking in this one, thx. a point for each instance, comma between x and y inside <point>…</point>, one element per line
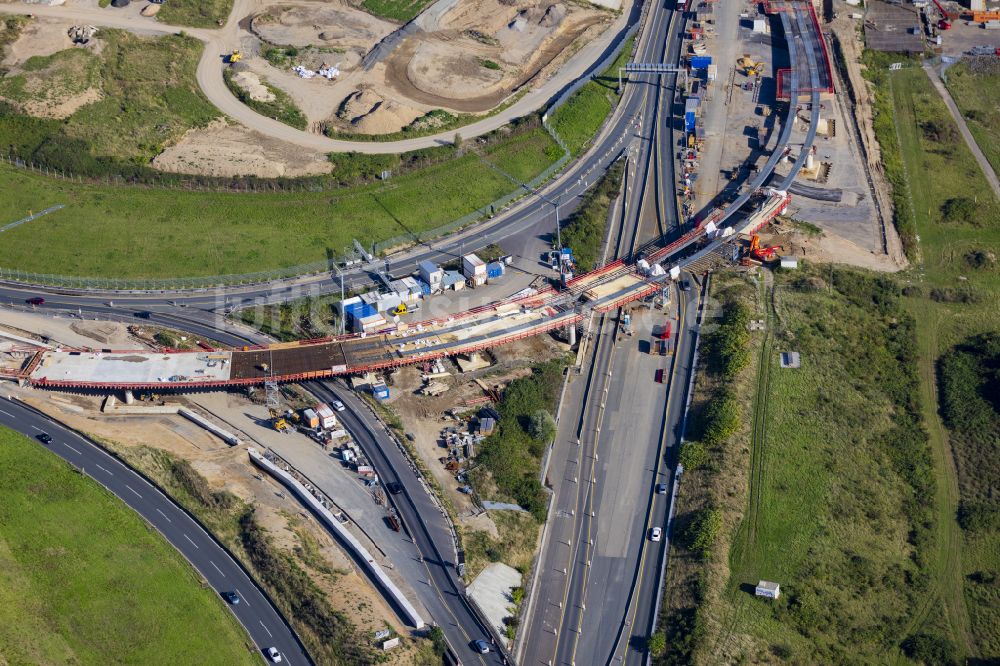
<point>217,568</point>
<point>164,515</point>
<point>106,470</point>
<point>37,428</point>
<point>243,598</point>
<point>266,629</point>
<point>189,539</point>
<point>133,490</point>
<point>77,451</point>
<point>7,413</point>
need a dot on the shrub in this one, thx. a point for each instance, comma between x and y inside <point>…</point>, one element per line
<point>693,455</point>
<point>959,209</point>
<point>702,531</point>
<point>656,644</point>
<point>930,650</point>
<point>542,426</point>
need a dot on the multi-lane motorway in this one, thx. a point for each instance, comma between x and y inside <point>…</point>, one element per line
<point>264,623</point>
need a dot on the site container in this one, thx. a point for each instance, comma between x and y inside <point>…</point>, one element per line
<point>473,266</point>
<point>494,270</point>
<point>310,418</point>
<point>380,391</point>
<point>701,62</point>
<point>327,419</point>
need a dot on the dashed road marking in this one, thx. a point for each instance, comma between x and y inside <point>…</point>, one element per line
<point>37,428</point>
<point>7,413</point>
<point>78,452</point>
<point>189,539</point>
<point>164,515</point>
<point>133,490</point>
<point>266,629</point>
<point>217,568</point>
<point>106,470</point>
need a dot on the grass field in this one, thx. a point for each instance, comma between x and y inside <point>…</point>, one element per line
<point>578,120</point>
<point>195,13</point>
<point>84,581</point>
<point>96,234</point>
<point>395,10</point>
<point>977,94</point>
<point>149,98</point>
<point>949,274</point>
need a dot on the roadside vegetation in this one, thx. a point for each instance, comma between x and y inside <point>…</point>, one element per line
<point>328,633</point>
<point>87,581</point>
<point>819,478</point>
<point>586,228</point>
<point>146,98</point>
<point>578,120</point>
<point>509,461</point>
<point>282,108</point>
<point>303,318</point>
<point>975,86</point>
<point>195,13</point>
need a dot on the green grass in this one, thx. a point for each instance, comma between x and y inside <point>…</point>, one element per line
<point>282,108</point>
<point>10,29</point>
<point>395,10</point>
<point>525,155</point>
<point>84,580</point>
<point>150,233</point>
<point>578,120</point>
<point>195,13</point>
<point>945,249</point>
<point>149,99</point>
<point>53,78</point>
<point>489,64</point>
<point>977,95</point>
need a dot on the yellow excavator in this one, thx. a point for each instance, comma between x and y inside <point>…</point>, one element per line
<point>400,309</point>
<point>750,67</point>
<point>234,57</point>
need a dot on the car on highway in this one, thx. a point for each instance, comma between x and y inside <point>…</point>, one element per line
<point>394,487</point>
<point>655,534</point>
<point>338,406</point>
<point>481,646</point>
<point>35,300</point>
<point>44,437</point>
<point>274,655</point>
<point>231,597</point>
<point>685,285</point>
<point>661,489</point>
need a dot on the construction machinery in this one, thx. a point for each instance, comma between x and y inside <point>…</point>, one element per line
<point>757,254</point>
<point>944,23</point>
<point>234,57</point>
<point>400,309</point>
<point>750,67</point>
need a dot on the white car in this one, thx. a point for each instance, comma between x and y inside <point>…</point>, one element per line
<point>274,655</point>
<point>655,534</point>
<point>338,406</point>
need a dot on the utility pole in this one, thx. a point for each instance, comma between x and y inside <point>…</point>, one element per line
<point>336,266</point>
<point>558,230</point>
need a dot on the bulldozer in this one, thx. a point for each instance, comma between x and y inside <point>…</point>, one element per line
<point>279,422</point>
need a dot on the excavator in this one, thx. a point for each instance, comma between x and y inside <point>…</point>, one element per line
<point>234,57</point>
<point>757,254</point>
<point>750,67</point>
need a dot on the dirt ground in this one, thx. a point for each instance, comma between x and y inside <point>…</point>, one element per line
<point>66,331</point>
<point>229,468</point>
<point>425,417</point>
<point>228,150</point>
<point>468,60</point>
<point>826,248</point>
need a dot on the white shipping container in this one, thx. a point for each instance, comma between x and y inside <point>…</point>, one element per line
<point>327,419</point>
<point>473,265</point>
<point>713,72</point>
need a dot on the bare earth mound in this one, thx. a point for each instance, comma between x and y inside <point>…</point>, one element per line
<point>227,151</point>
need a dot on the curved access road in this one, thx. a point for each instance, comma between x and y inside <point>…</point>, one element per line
<point>217,567</point>
<point>219,42</point>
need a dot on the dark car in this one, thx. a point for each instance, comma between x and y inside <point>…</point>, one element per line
<point>394,487</point>
<point>661,489</point>
<point>44,438</point>
<point>686,285</point>
<point>231,597</point>
<point>35,300</point>
<point>145,314</point>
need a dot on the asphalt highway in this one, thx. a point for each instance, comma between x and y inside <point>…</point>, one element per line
<point>442,592</point>
<point>217,567</point>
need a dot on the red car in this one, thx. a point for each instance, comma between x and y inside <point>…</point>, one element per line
<point>37,300</point>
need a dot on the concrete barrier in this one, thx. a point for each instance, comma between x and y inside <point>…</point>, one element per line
<point>410,614</point>
<point>224,435</point>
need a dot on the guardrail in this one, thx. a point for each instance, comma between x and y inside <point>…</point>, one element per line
<point>360,552</point>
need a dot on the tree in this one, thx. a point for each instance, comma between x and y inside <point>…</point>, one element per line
<point>657,644</point>
<point>542,426</point>
<point>436,636</point>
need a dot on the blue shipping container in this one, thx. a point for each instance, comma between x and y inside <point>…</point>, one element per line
<point>700,62</point>
<point>689,121</point>
<point>381,391</point>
